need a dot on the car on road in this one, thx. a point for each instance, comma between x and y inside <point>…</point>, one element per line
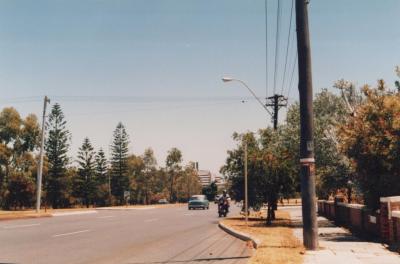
<point>162,201</point>
<point>198,201</point>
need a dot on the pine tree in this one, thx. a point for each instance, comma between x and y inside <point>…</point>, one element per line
<point>103,179</point>
<point>85,182</point>
<point>56,148</point>
<point>119,163</point>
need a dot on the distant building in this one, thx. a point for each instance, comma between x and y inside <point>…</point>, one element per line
<point>220,181</point>
<point>204,177</point>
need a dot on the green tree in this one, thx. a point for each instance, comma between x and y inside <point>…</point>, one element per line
<point>103,180</point>
<point>371,140</point>
<point>187,184</point>
<point>210,191</point>
<point>18,139</point>
<point>56,146</point>
<point>119,163</point>
<point>147,182</point>
<point>85,182</point>
<point>173,168</point>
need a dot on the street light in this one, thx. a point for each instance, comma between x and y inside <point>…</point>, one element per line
<point>230,79</point>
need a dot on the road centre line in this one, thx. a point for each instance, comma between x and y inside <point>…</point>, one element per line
<point>151,220</point>
<point>72,233</point>
<point>107,216</point>
<point>190,214</point>
<point>18,226</point>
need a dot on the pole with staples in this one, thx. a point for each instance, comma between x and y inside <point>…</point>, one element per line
<point>307,162</point>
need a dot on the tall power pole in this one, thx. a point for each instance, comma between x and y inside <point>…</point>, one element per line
<point>40,165</point>
<point>276,102</point>
<point>246,196</point>
<point>307,161</point>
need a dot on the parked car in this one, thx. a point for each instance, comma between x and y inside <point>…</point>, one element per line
<point>162,201</point>
<point>198,201</point>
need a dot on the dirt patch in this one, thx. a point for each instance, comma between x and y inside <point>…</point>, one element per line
<point>278,243</point>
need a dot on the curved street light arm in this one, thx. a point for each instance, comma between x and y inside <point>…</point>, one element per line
<point>255,96</point>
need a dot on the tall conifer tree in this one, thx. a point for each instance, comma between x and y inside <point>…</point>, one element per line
<point>56,147</point>
<point>119,163</point>
<point>85,184</point>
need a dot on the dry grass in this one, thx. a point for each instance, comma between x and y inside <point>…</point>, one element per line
<point>10,215</point>
<point>279,245</point>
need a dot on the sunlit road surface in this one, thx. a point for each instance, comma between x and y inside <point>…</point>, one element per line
<point>166,235</point>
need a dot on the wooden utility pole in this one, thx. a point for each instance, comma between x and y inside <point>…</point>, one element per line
<point>307,161</point>
<point>246,197</point>
<point>276,102</point>
<point>40,165</point>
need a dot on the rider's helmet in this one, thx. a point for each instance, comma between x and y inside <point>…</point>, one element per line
<point>224,192</point>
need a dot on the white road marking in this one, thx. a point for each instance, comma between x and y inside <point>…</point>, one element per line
<point>72,233</point>
<point>74,213</point>
<point>151,220</point>
<point>125,208</point>
<point>107,216</point>
<point>188,214</point>
<point>18,226</point>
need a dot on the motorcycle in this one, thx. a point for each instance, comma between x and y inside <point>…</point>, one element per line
<point>223,207</point>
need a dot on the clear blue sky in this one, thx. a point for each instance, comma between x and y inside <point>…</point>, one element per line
<point>156,65</point>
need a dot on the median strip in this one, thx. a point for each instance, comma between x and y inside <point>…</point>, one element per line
<point>74,213</point>
<point>72,233</point>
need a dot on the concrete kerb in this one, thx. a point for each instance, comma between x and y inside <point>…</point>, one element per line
<point>243,236</point>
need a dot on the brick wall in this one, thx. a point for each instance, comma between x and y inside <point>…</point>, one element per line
<point>384,224</point>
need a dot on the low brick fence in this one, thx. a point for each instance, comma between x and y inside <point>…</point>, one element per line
<point>384,223</point>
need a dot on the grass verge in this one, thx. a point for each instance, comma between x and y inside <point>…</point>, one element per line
<point>278,243</point>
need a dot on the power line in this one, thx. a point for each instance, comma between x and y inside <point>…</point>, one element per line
<point>291,77</point>
<point>266,48</point>
<point>278,18</point>
<point>287,46</point>
<point>127,99</point>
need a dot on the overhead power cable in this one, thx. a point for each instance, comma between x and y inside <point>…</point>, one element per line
<point>287,47</point>
<point>277,36</point>
<point>266,48</point>
<point>292,74</point>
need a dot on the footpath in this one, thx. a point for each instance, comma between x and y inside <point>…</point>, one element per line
<point>338,245</point>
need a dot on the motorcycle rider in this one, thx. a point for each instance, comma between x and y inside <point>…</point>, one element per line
<point>224,201</point>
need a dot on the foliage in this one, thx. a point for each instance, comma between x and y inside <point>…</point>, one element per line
<point>103,195</point>
<point>85,182</point>
<point>371,138</point>
<point>210,191</point>
<point>119,163</point>
<point>57,183</point>
<point>18,139</point>
<point>187,184</point>
<point>173,169</point>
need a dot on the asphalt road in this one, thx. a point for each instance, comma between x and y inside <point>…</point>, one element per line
<point>158,235</point>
